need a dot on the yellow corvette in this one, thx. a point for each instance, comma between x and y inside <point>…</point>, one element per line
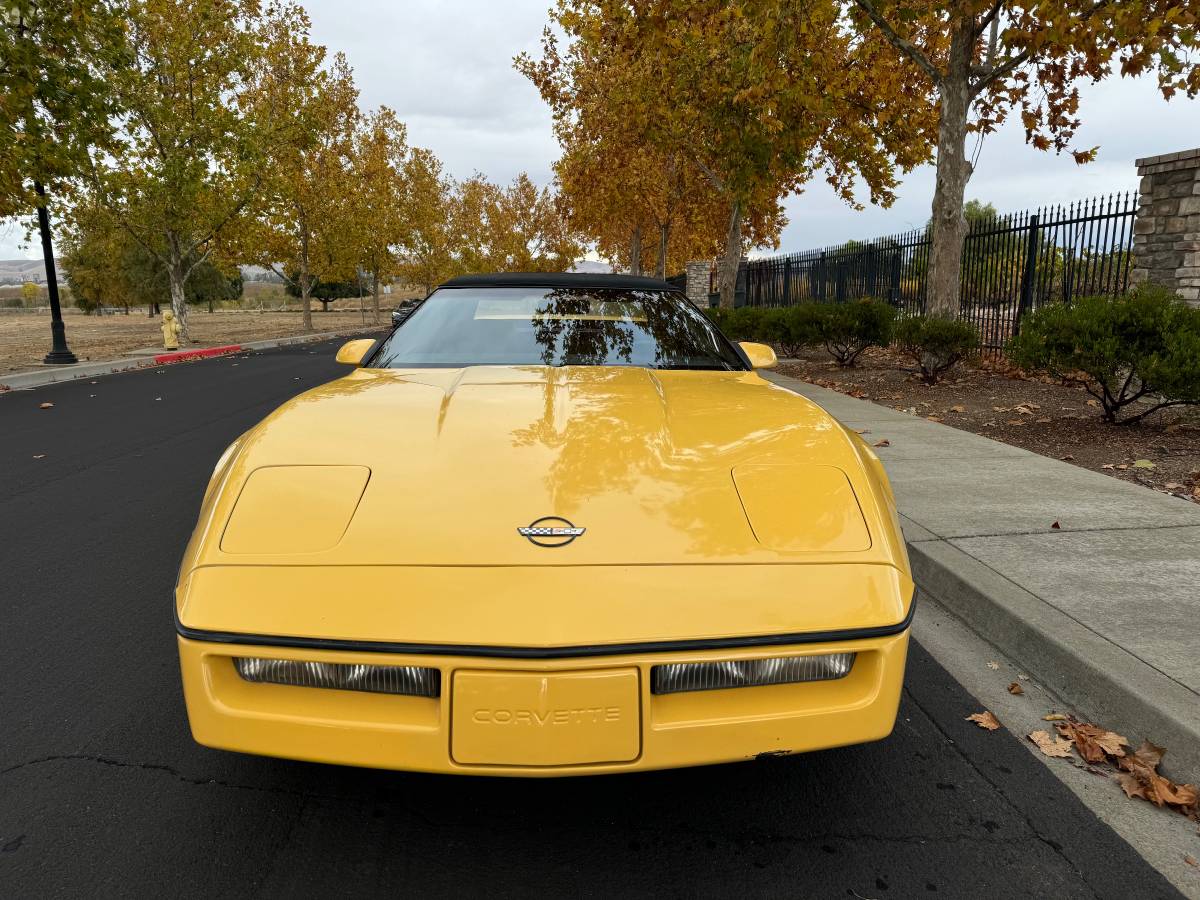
<point>550,525</point>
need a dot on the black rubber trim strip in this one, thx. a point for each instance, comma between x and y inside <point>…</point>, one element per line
<point>570,652</point>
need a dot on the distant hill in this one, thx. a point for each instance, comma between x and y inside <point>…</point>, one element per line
<point>18,271</point>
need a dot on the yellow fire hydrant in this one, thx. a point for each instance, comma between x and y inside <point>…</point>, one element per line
<point>170,330</point>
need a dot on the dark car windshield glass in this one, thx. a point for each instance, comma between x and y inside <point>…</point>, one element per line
<point>556,327</point>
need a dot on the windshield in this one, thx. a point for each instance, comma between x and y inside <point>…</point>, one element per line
<point>515,326</point>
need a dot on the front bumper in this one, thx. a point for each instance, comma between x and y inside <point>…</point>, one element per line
<point>418,733</point>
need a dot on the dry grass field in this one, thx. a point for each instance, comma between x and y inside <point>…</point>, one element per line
<point>25,337</point>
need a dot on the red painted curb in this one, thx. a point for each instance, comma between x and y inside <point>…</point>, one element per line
<point>182,355</point>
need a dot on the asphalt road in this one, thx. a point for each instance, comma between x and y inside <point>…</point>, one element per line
<point>103,792</point>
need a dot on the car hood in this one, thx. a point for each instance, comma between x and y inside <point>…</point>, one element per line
<point>441,467</point>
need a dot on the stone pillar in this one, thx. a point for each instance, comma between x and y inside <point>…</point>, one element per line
<point>1166,235</point>
<point>698,282</point>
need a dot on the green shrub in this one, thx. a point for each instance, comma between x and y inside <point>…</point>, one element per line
<point>1144,345</point>
<point>745,323</point>
<point>791,328</point>
<point>847,329</point>
<point>936,344</point>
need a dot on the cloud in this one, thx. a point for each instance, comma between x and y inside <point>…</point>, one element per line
<point>1126,117</point>
<point>446,68</point>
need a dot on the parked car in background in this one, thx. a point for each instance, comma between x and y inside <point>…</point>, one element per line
<point>403,311</point>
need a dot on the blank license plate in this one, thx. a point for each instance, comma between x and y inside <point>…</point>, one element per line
<point>545,719</point>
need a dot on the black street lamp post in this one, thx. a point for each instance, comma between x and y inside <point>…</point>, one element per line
<point>60,354</point>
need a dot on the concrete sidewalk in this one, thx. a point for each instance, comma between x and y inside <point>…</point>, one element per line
<point>1104,609</point>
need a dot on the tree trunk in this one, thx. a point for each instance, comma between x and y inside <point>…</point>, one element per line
<point>176,277</point>
<point>305,282</point>
<point>953,173</point>
<point>664,237</point>
<point>635,252</point>
<point>732,257</point>
<point>375,296</point>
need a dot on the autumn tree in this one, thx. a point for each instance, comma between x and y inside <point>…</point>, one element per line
<point>306,231</point>
<point>986,59</point>
<point>55,107</point>
<point>759,97</point>
<point>380,155</point>
<point>640,209</point>
<point>105,266</point>
<point>188,165</point>
<point>516,228</point>
<point>96,256</point>
<point>426,256</point>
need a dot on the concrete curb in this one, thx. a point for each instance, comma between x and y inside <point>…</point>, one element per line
<point>1104,682</point>
<point>203,353</point>
<point>24,381</point>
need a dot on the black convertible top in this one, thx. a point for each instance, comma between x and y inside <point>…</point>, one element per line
<point>560,279</point>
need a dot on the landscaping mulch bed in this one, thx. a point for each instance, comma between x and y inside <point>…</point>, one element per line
<point>1039,414</point>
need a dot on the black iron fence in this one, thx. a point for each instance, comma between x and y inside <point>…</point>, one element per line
<point>1011,264</point>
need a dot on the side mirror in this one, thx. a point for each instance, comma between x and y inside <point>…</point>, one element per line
<point>761,356</point>
<point>352,353</point>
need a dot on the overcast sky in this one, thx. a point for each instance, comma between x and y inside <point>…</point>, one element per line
<point>445,67</point>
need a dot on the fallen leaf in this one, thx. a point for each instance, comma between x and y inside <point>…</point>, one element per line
<point>1122,467</point>
<point>1022,677</point>
<point>1190,860</point>
<point>1143,781</point>
<point>1042,420</point>
<point>1015,688</point>
<point>1055,524</point>
<point>993,665</point>
<point>1172,486</point>
<point>985,720</point>
<point>39,456</point>
<point>1050,744</point>
<point>1095,744</point>
<point>1143,464</point>
<point>934,418</point>
<point>1054,717</point>
<point>958,409</point>
<point>1068,456</point>
<point>46,406</point>
<point>883,443</point>
<point>1093,403</point>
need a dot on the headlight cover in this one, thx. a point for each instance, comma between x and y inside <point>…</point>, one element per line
<point>712,676</point>
<point>414,681</point>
